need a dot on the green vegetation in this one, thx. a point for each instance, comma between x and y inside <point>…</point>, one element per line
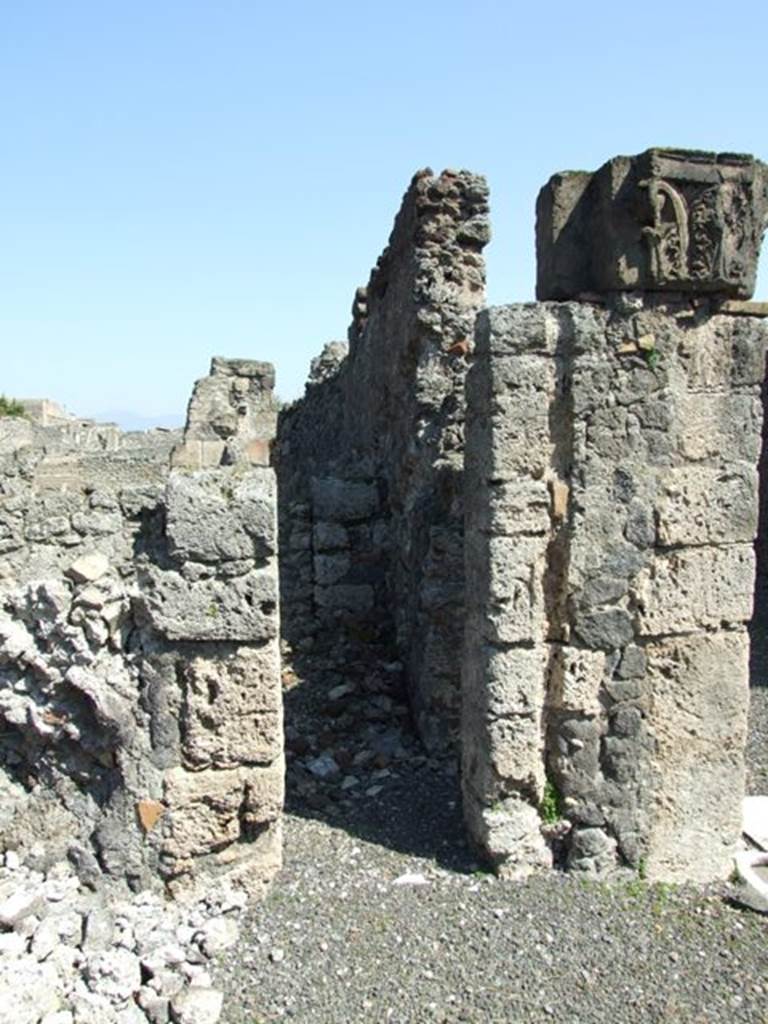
<point>652,358</point>
<point>11,407</point>
<point>551,804</point>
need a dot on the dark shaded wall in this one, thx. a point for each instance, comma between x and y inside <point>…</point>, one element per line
<point>370,460</point>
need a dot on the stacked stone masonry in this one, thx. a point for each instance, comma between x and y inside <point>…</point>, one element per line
<point>139,653</point>
<point>370,460</point>
<point>611,464</point>
<point>566,588</point>
<point>610,574</point>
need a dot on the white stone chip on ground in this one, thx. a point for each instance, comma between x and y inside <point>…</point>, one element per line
<point>755,820</point>
<point>411,878</point>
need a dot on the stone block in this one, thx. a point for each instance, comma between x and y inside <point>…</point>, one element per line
<point>198,453</point>
<point>530,327</point>
<point>251,368</point>
<point>666,220</point>
<point>515,610</point>
<point>232,814</point>
<point>330,569</point>
<point>344,501</point>
<point>698,717</point>
<point>502,755</point>
<point>720,427</point>
<point>228,410</point>
<point>264,794</point>
<point>329,537</point>
<point>203,811</point>
<point>345,597</point>
<point>575,680</point>
<point>221,515</point>
<point>509,834</point>
<point>258,452</point>
<point>498,681</point>
<point>243,608</point>
<point>562,236</point>
<point>691,589</point>
<point>515,507</point>
<point>519,445</point>
<point>88,568</point>
<point>707,505</point>
<point>723,352</point>
<point>231,710</point>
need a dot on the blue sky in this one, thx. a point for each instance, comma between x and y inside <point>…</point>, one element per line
<point>186,179</point>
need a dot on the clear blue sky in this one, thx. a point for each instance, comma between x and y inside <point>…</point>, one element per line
<point>184,179</point>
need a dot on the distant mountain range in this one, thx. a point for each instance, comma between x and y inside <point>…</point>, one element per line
<point>128,420</point>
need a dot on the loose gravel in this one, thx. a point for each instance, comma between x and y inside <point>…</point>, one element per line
<point>382,915</point>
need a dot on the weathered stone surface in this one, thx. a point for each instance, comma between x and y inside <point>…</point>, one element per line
<point>217,516</point>
<point>212,810</point>
<point>231,416</point>
<point>28,992</point>
<point>611,508</point>
<point>88,568</point>
<point>330,569</point>
<point>576,678</point>
<point>510,834</point>
<point>696,588</point>
<point>101,700</point>
<point>666,220</point>
<point>329,536</point>
<point>349,597</point>
<point>342,500</point>
<point>231,707</point>
<point>243,608</point>
<point>197,1006</point>
<point>698,719</point>
<point>116,973</point>
<point>708,505</point>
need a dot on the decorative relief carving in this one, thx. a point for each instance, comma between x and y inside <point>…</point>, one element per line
<point>666,220</point>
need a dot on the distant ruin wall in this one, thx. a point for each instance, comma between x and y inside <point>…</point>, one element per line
<point>139,667</point>
<point>370,461</point>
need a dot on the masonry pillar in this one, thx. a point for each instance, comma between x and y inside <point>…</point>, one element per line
<point>612,448</point>
<point>210,590</point>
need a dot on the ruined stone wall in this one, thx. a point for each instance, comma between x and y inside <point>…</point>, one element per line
<point>377,529</point>
<point>139,671</point>
<point>612,452</point>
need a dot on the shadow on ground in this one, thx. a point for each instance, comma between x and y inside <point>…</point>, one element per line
<point>355,762</point>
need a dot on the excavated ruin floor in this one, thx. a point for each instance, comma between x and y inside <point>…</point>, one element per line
<point>381,913</point>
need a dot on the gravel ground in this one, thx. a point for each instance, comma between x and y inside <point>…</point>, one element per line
<point>381,914</point>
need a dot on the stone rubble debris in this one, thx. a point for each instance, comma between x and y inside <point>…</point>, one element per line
<point>69,954</point>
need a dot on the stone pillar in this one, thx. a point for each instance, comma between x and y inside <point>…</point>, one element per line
<point>210,591</point>
<point>612,448</point>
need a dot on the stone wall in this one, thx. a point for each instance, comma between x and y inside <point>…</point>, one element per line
<point>139,669</point>
<point>595,590</point>
<point>370,461</point>
<point>612,452</point>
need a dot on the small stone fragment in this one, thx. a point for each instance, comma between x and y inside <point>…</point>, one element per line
<point>197,1006</point>
<point>218,934</point>
<point>149,813</point>
<point>88,568</point>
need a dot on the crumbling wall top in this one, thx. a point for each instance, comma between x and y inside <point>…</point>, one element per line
<point>231,417</point>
